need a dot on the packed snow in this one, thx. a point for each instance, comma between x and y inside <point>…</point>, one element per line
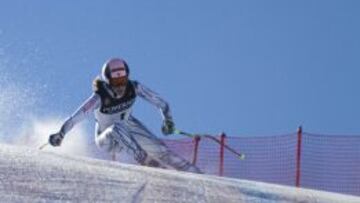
<point>31,175</point>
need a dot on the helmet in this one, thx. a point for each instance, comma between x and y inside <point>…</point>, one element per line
<point>115,72</point>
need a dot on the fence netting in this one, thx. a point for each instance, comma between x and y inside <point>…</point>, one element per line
<point>327,162</point>
<point>331,162</point>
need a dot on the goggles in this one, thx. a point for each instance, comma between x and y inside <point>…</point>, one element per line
<point>118,77</point>
<point>116,82</point>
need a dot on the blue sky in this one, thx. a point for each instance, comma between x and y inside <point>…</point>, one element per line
<point>242,67</point>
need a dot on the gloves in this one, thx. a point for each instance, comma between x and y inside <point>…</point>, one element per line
<point>56,139</point>
<point>168,127</point>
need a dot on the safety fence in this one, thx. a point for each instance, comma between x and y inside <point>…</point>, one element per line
<point>324,162</point>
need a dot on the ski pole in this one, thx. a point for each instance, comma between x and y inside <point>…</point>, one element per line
<point>240,156</point>
<point>43,146</point>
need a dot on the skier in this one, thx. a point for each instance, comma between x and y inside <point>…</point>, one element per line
<point>116,129</point>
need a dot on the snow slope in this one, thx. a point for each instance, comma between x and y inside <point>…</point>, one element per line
<point>31,175</point>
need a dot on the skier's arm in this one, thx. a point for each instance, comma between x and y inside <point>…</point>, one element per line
<point>168,126</point>
<point>92,103</point>
<point>154,99</point>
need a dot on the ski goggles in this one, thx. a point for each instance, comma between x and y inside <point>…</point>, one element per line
<point>118,77</point>
<point>116,82</point>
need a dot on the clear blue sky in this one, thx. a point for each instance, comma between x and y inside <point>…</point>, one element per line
<point>243,67</point>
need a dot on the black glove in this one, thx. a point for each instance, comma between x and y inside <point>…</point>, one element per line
<point>56,139</point>
<point>168,127</point>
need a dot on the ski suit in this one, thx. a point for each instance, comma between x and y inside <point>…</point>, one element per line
<point>116,128</point>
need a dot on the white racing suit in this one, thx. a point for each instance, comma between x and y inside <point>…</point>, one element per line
<point>116,128</point>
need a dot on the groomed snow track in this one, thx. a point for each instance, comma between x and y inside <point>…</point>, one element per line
<point>31,175</point>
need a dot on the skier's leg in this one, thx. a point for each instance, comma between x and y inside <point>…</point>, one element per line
<point>118,136</point>
<point>154,146</point>
<point>106,142</point>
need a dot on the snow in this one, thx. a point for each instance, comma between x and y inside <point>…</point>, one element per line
<point>31,175</point>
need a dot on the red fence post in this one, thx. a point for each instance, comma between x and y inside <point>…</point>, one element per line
<point>196,148</point>
<point>221,166</point>
<point>298,156</point>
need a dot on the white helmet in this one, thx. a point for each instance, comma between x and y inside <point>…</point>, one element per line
<point>115,69</point>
